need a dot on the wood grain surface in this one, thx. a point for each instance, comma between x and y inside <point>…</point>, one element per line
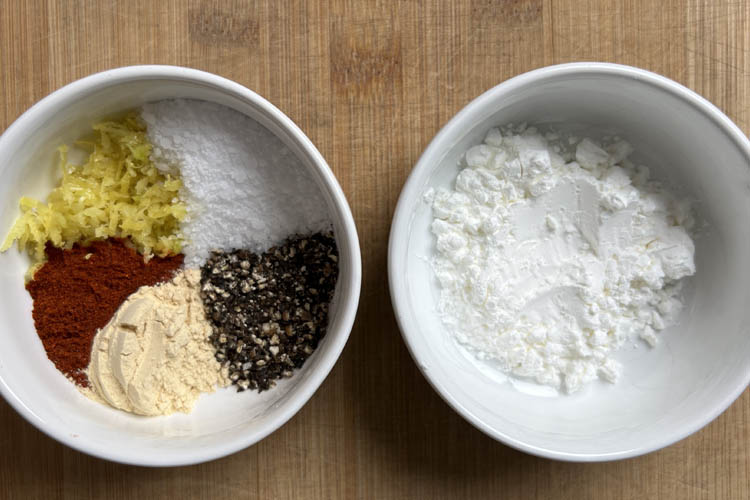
<point>371,82</point>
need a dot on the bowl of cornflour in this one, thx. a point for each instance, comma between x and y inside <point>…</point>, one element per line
<point>181,268</point>
<point>568,266</point>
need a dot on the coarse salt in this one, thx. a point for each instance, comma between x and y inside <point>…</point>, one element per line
<point>244,188</point>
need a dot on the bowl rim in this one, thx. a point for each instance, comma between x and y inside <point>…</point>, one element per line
<point>346,306</point>
<point>412,190</point>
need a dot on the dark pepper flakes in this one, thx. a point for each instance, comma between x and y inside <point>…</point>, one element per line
<point>269,311</point>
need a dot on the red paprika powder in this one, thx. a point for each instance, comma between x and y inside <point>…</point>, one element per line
<point>77,291</point>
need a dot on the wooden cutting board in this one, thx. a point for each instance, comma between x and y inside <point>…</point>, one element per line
<point>371,82</point>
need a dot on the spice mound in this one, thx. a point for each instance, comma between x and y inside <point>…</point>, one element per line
<point>77,291</point>
<point>238,178</point>
<point>154,357</point>
<point>118,192</point>
<point>269,311</point>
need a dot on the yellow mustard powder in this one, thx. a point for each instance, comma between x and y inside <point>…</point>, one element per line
<point>155,357</point>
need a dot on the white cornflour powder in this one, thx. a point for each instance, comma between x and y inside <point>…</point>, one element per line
<point>552,252</point>
<point>243,187</point>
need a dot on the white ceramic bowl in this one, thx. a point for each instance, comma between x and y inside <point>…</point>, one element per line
<point>223,422</point>
<point>699,367</point>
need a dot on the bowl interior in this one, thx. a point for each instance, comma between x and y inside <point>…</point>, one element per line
<point>222,422</point>
<point>699,366</point>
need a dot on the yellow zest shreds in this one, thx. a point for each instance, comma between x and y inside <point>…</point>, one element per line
<point>118,192</point>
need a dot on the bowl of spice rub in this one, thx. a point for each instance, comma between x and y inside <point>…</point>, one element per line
<point>181,269</point>
<point>568,262</point>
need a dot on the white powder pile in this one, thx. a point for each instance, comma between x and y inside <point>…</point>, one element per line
<point>244,188</point>
<point>552,252</point>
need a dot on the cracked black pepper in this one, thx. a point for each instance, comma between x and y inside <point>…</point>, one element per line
<point>269,311</point>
